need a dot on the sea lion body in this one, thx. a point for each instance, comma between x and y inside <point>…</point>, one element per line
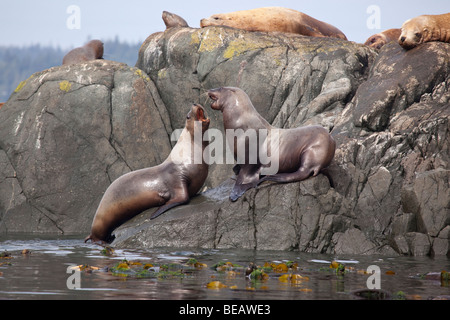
<point>274,19</point>
<point>167,185</point>
<point>171,20</point>
<point>425,28</point>
<point>90,51</point>
<point>377,41</point>
<point>302,151</point>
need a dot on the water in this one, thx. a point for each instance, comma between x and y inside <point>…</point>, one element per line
<point>45,274</point>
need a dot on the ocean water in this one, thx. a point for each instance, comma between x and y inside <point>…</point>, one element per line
<point>65,268</point>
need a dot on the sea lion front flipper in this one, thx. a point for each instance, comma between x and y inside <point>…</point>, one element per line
<point>180,198</point>
<point>247,178</point>
<point>166,207</point>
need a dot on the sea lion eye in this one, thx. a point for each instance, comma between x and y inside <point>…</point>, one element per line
<point>418,34</point>
<point>216,18</point>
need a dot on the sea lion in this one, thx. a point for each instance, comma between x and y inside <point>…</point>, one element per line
<point>271,19</point>
<point>377,41</point>
<point>425,28</point>
<point>302,151</point>
<point>170,184</point>
<point>171,20</point>
<point>90,51</point>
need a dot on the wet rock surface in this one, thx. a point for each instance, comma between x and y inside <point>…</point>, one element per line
<point>69,131</point>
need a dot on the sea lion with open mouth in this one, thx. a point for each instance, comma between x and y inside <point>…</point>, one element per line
<point>167,185</point>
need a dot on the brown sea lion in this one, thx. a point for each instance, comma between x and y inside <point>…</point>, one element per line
<point>167,185</point>
<point>377,41</point>
<point>90,51</point>
<point>302,152</point>
<point>271,19</point>
<point>425,28</point>
<point>171,20</point>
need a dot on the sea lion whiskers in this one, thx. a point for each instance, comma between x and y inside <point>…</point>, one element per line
<point>204,96</point>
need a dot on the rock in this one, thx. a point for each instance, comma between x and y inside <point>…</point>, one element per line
<point>388,111</point>
<point>353,241</point>
<point>66,133</point>
<point>273,217</point>
<point>441,244</point>
<point>290,79</point>
<point>397,79</point>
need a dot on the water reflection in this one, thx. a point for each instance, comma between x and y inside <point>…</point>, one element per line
<point>43,274</point>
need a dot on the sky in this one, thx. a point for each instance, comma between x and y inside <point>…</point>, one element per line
<point>70,23</point>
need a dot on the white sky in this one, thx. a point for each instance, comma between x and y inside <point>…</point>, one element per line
<point>44,22</point>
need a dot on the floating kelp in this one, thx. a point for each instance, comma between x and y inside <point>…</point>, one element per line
<point>5,255</point>
<point>136,269</point>
<point>193,262</point>
<point>107,251</point>
<point>293,278</point>
<point>224,266</point>
<point>216,285</point>
<point>258,274</point>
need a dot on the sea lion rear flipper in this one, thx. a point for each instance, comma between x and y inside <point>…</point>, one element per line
<point>89,237</point>
<point>169,205</point>
<point>239,190</point>
<point>247,178</point>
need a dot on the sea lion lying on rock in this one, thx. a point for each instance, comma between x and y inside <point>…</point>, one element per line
<point>295,154</point>
<point>377,41</point>
<point>167,185</point>
<point>90,51</point>
<point>271,19</point>
<point>425,28</point>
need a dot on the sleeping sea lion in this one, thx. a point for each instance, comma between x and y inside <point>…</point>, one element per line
<point>425,28</point>
<point>377,41</point>
<point>271,19</point>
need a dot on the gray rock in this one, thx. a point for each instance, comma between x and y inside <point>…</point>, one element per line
<point>397,79</point>
<point>66,134</point>
<point>272,217</point>
<point>290,79</point>
<point>388,112</point>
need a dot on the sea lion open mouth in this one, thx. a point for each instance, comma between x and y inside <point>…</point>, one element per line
<point>199,112</point>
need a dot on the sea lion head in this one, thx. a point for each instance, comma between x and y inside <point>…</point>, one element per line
<point>227,97</point>
<point>414,31</point>
<point>97,46</point>
<point>172,20</point>
<point>215,20</point>
<point>376,41</point>
<point>233,19</point>
<point>197,113</point>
